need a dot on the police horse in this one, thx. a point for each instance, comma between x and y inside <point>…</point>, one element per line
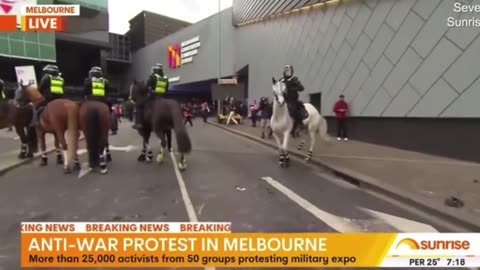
<point>281,124</point>
<point>161,116</point>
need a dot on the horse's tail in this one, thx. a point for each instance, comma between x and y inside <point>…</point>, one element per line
<point>323,129</point>
<point>92,135</point>
<point>183,140</point>
<point>72,131</point>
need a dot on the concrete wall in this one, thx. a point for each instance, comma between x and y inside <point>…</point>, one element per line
<point>390,58</point>
<point>205,64</point>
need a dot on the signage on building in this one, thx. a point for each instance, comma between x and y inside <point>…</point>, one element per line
<point>227,81</point>
<point>174,79</point>
<point>30,16</point>
<point>182,53</point>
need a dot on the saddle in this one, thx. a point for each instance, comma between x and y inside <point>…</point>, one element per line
<point>298,111</point>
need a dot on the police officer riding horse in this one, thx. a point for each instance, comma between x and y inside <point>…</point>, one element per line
<point>157,85</point>
<point>94,116</point>
<point>51,87</point>
<point>96,87</point>
<point>296,108</point>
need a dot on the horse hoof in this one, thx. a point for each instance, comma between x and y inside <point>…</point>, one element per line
<point>77,167</point>
<point>59,161</point>
<point>109,158</point>
<point>141,158</point>
<point>148,160</point>
<point>43,163</point>
<point>67,171</point>
<point>30,155</point>
<point>104,171</point>
<point>21,156</point>
<point>182,167</point>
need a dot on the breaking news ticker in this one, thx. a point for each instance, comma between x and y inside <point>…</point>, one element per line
<point>176,244</point>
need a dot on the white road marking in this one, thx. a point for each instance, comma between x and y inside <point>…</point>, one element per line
<point>342,224</point>
<point>186,199</point>
<point>337,223</point>
<point>401,224</point>
<point>200,209</point>
<point>127,148</point>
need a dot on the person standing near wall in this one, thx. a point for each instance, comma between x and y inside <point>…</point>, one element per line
<point>253,113</point>
<point>341,109</point>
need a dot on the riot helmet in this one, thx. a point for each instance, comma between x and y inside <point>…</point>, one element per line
<point>95,72</point>
<point>288,71</point>
<point>51,70</point>
<point>158,69</point>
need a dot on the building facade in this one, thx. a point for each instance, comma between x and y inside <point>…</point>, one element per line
<point>410,79</point>
<point>148,27</point>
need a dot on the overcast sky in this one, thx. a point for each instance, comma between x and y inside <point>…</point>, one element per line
<point>121,11</point>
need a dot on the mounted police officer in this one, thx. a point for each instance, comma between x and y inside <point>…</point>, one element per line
<point>95,87</point>
<point>3,95</point>
<point>51,86</point>
<point>157,85</point>
<point>294,87</point>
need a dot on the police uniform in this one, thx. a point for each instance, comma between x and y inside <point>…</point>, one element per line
<point>157,84</point>
<point>294,87</point>
<point>51,86</point>
<point>95,87</point>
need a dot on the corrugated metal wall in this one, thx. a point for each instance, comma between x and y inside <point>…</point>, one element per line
<point>247,10</point>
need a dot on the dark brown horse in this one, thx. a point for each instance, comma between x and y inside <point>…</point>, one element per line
<point>20,117</point>
<point>94,118</point>
<point>58,117</point>
<point>161,116</point>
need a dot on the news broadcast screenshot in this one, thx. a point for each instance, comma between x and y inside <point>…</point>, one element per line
<point>239,134</point>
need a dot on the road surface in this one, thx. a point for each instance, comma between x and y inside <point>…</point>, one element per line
<point>228,179</point>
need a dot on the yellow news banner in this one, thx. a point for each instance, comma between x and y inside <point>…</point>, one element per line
<point>204,250</point>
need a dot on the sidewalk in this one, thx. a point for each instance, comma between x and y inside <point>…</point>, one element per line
<point>10,148</point>
<point>425,180</point>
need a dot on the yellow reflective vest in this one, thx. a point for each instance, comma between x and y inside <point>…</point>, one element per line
<point>98,87</point>
<point>56,85</point>
<point>161,85</point>
<point>3,93</point>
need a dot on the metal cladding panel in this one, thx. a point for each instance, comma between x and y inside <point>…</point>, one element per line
<point>246,10</point>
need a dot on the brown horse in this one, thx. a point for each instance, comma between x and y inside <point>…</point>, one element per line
<point>94,119</point>
<point>58,117</point>
<point>20,117</point>
<point>161,116</point>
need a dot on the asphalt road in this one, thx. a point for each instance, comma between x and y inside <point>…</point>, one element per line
<point>228,179</point>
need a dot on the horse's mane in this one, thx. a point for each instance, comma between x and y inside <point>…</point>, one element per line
<point>33,94</point>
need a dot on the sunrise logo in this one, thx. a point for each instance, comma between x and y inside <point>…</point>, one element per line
<point>412,244</point>
<point>173,55</point>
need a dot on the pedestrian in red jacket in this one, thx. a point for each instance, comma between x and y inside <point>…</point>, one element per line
<point>341,110</point>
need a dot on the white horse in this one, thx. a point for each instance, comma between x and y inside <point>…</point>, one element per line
<point>282,124</point>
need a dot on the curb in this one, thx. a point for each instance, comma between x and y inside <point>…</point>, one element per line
<point>426,205</point>
<point>20,162</point>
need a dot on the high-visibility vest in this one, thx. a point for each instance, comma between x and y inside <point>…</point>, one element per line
<point>98,87</point>
<point>161,85</point>
<point>3,94</point>
<point>56,85</point>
